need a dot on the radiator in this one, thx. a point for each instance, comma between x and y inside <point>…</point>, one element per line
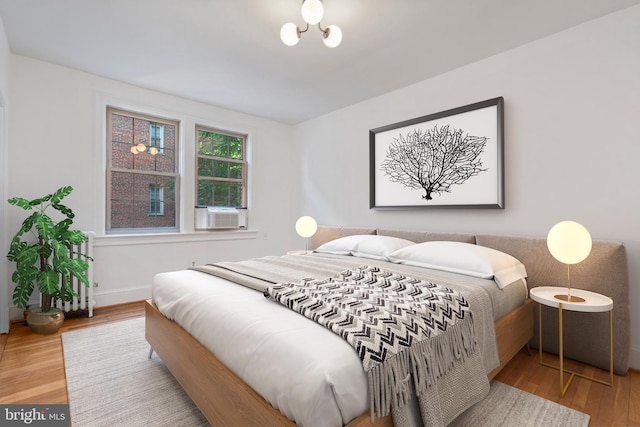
<point>84,301</point>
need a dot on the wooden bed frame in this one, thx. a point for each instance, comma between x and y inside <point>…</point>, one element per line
<point>225,400</point>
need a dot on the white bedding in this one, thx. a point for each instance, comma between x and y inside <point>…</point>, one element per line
<point>304,370</point>
<point>320,382</point>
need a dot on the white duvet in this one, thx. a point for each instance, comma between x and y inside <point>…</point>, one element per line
<point>320,381</point>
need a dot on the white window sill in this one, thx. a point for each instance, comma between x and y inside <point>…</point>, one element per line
<point>198,236</point>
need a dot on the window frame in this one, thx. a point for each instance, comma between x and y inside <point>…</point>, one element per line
<point>176,174</point>
<point>244,162</point>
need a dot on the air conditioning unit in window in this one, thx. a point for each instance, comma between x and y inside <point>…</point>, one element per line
<point>218,218</point>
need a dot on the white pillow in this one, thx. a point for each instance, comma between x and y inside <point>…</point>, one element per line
<point>365,246</point>
<point>463,258</point>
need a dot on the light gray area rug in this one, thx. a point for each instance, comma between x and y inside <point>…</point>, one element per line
<point>111,382</point>
<point>506,406</point>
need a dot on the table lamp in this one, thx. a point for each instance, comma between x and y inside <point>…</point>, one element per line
<point>569,243</point>
<point>306,227</point>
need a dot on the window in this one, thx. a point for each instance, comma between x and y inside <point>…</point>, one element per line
<point>156,200</point>
<point>156,137</point>
<point>222,168</point>
<point>142,173</point>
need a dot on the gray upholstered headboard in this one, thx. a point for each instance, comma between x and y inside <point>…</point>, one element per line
<point>585,334</point>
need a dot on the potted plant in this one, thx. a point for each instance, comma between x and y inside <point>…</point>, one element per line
<point>42,251</point>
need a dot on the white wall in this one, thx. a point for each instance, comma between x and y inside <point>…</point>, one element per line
<point>5,55</point>
<point>572,108</point>
<point>57,138</point>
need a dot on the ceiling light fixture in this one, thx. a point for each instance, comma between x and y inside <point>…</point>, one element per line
<point>312,13</point>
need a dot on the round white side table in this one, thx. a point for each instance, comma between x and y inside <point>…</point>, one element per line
<point>298,252</point>
<point>593,303</point>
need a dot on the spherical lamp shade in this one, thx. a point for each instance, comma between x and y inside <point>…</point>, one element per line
<point>569,242</point>
<point>332,36</point>
<point>289,34</point>
<point>312,11</point>
<point>306,226</point>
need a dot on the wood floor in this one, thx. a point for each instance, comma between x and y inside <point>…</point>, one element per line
<point>608,406</point>
<point>31,365</point>
<point>32,371</point>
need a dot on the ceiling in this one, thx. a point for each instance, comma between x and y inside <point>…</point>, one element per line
<point>228,52</point>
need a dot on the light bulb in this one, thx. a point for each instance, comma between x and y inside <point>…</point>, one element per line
<point>312,11</point>
<point>569,242</point>
<point>332,36</point>
<point>306,226</point>
<point>153,151</point>
<point>289,34</point>
<point>134,150</point>
<point>141,147</point>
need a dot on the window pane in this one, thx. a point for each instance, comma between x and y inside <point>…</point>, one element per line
<point>235,170</point>
<point>205,143</point>
<point>121,199</point>
<point>168,217</point>
<point>235,194</point>
<point>235,148</point>
<point>165,160</point>
<point>121,156</point>
<point>205,192</point>
<point>220,145</point>
<point>221,169</point>
<point>221,194</point>
<point>121,213</point>
<point>143,160</point>
<point>156,200</point>
<point>205,167</point>
<point>156,137</point>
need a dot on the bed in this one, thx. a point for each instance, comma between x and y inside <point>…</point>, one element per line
<point>226,399</point>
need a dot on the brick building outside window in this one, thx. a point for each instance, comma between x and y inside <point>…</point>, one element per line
<point>142,173</point>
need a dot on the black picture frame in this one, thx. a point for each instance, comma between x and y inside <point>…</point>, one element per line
<point>450,159</point>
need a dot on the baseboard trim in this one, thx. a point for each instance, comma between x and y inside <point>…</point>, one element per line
<point>122,295</point>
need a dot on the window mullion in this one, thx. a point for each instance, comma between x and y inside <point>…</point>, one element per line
<point>144,172</point>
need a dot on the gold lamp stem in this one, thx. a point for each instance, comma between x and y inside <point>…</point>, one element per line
<point>568,296</point>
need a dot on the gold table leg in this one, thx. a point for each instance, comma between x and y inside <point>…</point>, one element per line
<point>611,348</point>
<point>564,386</point>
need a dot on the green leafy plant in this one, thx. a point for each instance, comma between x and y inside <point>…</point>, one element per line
<point>42,251</point>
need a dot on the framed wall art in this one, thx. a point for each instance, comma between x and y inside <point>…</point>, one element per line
<point>449,159</point>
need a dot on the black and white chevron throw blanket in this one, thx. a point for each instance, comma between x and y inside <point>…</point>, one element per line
<point>401,328</point>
